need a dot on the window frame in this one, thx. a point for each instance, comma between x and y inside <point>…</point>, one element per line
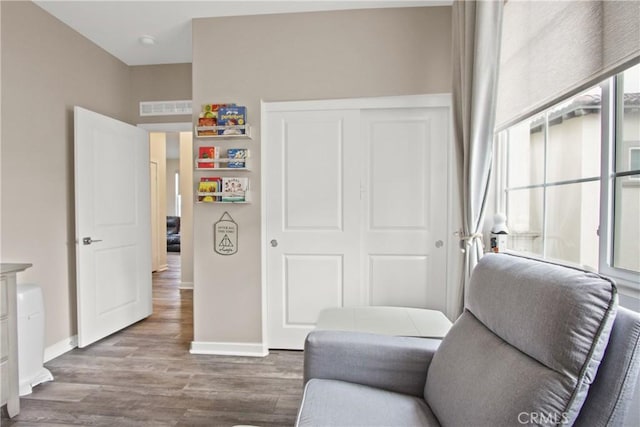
<point>632,150</point>
<point>627,279</point>
<point>610,129</point>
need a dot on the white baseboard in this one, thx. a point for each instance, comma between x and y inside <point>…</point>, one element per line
<point>186,285</point>
<point>163,267</point>
<point>229,349</point>
<point>60,348</point>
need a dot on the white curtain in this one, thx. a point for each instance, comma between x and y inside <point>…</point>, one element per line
<point>476,55</point>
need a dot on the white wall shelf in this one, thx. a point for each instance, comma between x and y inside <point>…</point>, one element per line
<point>223,161</point>
<point>243,132</point>
<point>211,188</point>
<point>221,169</point>
<point>221,194</point>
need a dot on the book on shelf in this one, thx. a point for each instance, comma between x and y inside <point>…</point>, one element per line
<point>207,122</point>
<point>209,118</point>
<point>234,189</point>
<point>232,120</point>
<point>207,186</point>
<point>237,157</point>
<point>208,152</point>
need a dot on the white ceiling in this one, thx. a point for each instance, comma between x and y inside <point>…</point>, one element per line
<point>117,25</point>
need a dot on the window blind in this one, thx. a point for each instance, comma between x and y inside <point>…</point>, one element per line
<point>554,49</point>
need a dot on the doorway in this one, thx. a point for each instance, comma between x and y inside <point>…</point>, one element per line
<point>174,143</point>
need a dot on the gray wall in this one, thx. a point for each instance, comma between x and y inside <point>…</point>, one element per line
<point>167,82</point>
<point>47,68</point>
<point>305,56</point>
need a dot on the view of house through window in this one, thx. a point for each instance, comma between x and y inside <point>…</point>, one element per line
<point>554,171</point>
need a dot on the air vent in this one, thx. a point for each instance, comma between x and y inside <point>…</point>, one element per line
<point>165,108</point>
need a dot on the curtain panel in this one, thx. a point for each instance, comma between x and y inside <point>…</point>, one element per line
<point>476,52</point>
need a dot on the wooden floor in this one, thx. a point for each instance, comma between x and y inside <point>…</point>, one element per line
<point>145,376</point>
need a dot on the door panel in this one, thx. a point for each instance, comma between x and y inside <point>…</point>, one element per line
<point>113,271</point>
<point>398,172</point>
<point>312,283</point>
<point>312,220</point>
<point>109,150</point>
<point>313,176</point>
<point>405,197</point>
<point>115,278</point>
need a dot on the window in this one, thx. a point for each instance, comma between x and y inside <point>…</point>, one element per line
<point>571,186</point>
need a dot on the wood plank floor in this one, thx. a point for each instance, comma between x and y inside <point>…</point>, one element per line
<point>145,376</point>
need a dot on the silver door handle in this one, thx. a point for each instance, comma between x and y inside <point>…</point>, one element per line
<point>439,244</point>
<point>274,243</point>
<point>89,240</point>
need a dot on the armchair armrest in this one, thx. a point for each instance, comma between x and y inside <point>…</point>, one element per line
<point>392,363</point>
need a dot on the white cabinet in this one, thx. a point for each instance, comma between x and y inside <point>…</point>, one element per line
<point>9,384</point>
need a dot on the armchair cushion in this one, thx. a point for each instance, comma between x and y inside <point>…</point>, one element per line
<point>529,342</point>
<point>612,393</point>
<point>396,364</point>
<point>338,403</point>
<point>554,314</point>
<point>481,380</point>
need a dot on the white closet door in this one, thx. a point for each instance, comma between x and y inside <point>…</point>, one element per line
<point>312,219</point>
<point>356,213</point>
<point>404,200</point>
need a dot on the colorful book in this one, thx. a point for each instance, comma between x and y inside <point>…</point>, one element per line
<point>237,157</point>
<point>208,122</point>
<point>211,110</point>
<point>209,118</point>
<point>232,120</point>
<point>234,189</point>
<point>208,185</point>
<point>208,153</point>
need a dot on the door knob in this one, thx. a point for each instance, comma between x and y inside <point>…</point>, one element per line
<point>89,240</point>
<point>439,243</point>
<point>274,243</point>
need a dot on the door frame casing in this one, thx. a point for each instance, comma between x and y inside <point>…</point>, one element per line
<point>155,232</point>
<point>443,100</point>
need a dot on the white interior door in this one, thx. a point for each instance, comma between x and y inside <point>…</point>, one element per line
<point>312,217</point>
<point>113,234</point>
<point>404,207</point>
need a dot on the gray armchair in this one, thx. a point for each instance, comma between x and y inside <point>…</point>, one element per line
<point>537,344</point>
